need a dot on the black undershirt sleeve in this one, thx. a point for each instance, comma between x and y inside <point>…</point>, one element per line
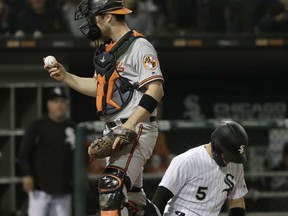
<point>161,197</point>
<point>236,211</point>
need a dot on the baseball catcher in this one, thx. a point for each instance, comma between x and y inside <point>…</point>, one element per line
<point>127,86</point>
<point>103,146</point>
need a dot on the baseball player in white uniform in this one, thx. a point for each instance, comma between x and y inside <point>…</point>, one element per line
<point>198,181</point>
<point>128,86</point>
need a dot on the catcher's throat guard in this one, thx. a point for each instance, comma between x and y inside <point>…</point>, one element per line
<point>114,92</point>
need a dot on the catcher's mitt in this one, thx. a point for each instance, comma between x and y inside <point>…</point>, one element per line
<point>102,146</point>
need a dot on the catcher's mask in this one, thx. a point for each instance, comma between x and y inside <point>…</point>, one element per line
<point>88,9</point>
<point>231,139</point>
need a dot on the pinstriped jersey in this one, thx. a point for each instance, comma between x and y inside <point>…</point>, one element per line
<point>140,65</point>
<point>199,185</point>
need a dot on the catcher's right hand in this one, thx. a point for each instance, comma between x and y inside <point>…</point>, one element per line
<point>103,146</point>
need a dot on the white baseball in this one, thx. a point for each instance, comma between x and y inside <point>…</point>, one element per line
<point>50,61</point>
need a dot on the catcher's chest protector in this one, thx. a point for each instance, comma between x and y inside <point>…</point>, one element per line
<point>113,91</point>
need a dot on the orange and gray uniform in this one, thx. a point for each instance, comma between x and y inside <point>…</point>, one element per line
<point>139,65</point>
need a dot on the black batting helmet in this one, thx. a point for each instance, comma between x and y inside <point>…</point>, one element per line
<point>231,139</point>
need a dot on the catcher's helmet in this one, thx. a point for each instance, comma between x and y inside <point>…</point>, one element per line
<point>96,7</point>
<point>231,139</point>
<point>88,9</point>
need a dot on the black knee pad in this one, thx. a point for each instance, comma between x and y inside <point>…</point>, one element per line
<point>110,188</point>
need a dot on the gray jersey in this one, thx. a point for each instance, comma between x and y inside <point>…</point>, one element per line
<point>199,185</point>
<point>140,65</point>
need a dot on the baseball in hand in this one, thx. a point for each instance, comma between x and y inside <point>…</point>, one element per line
<point>50,61</point>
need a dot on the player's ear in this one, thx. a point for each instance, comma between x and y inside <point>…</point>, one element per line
<point>109,17</point>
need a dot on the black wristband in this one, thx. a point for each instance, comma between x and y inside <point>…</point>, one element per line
<point>237,211</point>
<point>148,102</point>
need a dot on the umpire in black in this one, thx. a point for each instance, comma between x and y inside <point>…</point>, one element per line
<point>46,159</point>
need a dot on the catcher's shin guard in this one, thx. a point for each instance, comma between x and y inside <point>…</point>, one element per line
<point>111,196</point>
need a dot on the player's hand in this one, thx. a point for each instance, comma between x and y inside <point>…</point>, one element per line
<point>28,183</point>
<point>57,72</point>
<point>118,141</point>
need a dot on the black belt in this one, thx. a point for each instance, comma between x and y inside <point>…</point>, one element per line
<point>113,124</point>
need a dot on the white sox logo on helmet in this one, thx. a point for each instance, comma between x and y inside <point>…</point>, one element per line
<point>241,149</point>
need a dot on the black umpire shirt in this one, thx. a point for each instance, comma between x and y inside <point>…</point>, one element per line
<point>46,154</point>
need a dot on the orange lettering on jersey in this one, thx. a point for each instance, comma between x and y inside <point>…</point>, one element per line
<point>111,82</point>
<point>100,92</point>
<point>119,67</point>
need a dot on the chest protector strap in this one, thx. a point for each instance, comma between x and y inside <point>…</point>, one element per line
<point>113,91</point>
